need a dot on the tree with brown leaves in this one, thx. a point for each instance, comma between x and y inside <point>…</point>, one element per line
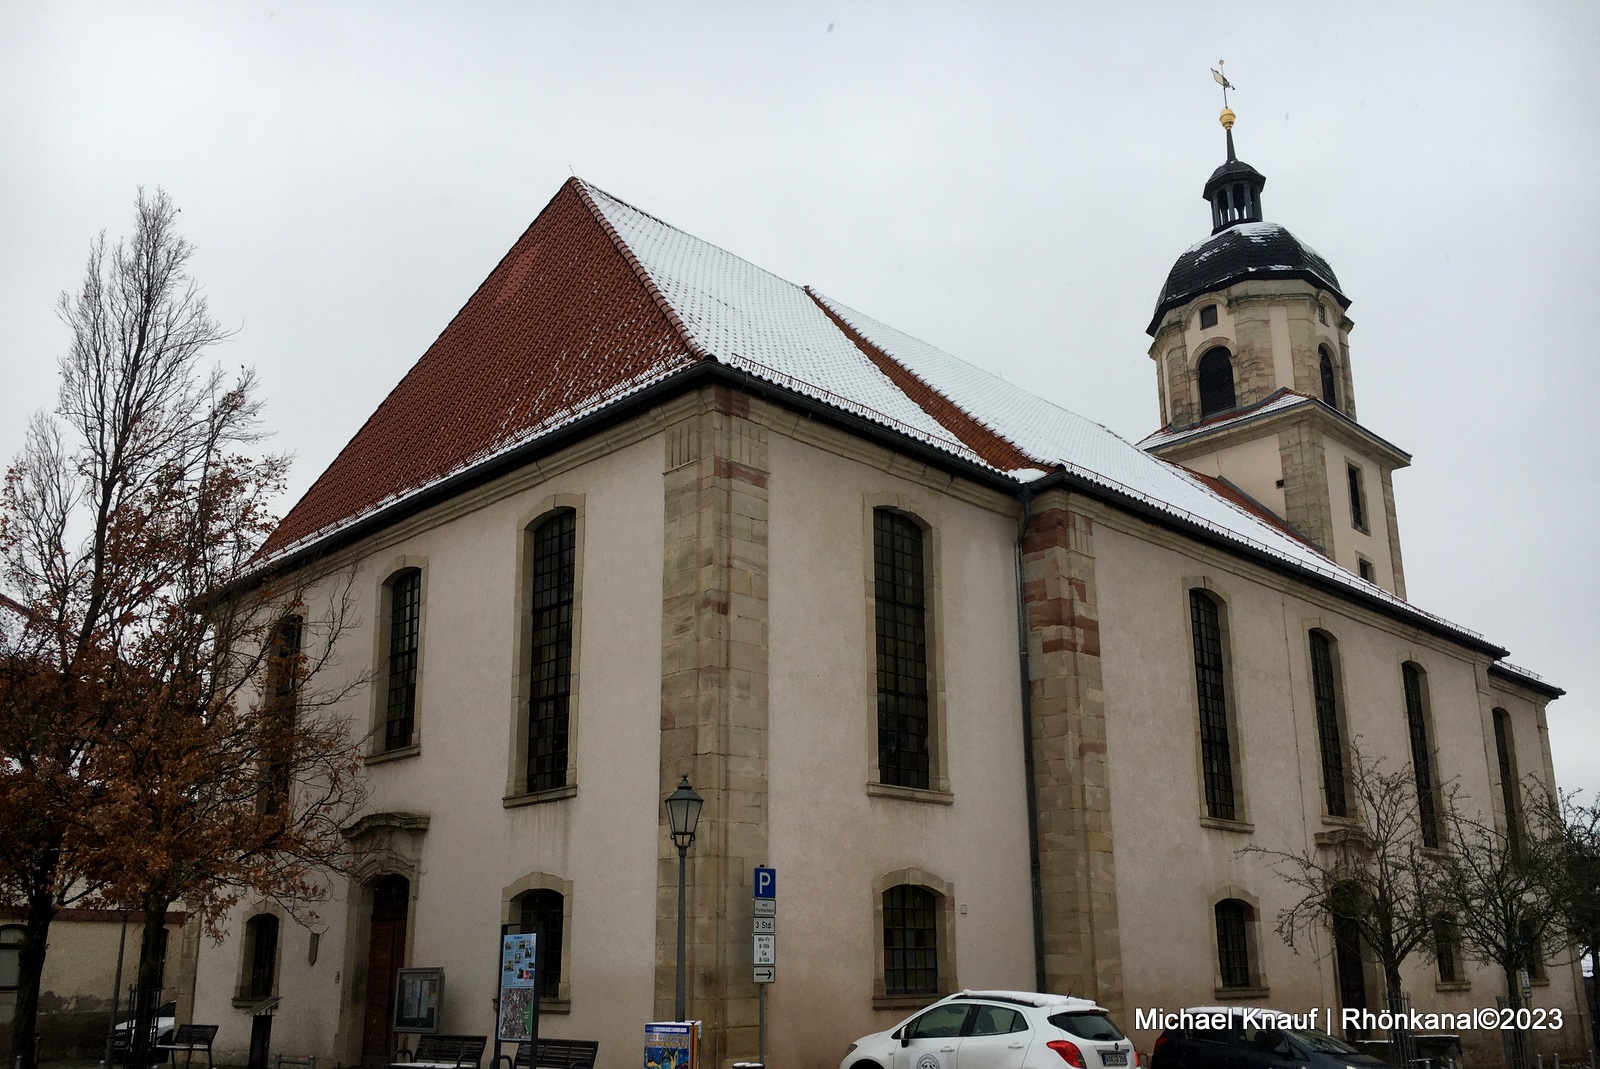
<point>161,739</point>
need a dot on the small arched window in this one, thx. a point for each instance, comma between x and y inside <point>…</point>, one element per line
<point>261,944</point>
<point>1233,943</point>
<point>1216,382</point>
<point>910,941</point>
<point>1330,392</point>
<point>544,912</point>
<point>1444,948</point>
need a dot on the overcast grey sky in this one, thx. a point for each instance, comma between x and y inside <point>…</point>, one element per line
<point>1010,182</point>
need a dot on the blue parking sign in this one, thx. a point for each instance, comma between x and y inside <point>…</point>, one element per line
<point>765,882</point>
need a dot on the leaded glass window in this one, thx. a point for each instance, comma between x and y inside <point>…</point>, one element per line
<point>899,596</point>
<point>1330,392</point>
<point>1444,948</point>
<point>544,912</point>
<point>405,620</point>
<point>1216,755</point>
<point>1233,947</point>
<point>554,560</point>
<point>910,941</point>
<point>1421,754</point>
<point>1329,735</point>
<point>1508,779</point>
<point>261,938</point>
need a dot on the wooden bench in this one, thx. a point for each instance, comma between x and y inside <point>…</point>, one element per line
<point>190,1038</point>
<point>435,1051</point>
<point>555,1054</point>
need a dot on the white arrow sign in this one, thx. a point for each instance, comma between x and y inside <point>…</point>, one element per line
<point>765,974</point>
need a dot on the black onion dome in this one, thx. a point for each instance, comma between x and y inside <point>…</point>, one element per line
<point>1243,251</point>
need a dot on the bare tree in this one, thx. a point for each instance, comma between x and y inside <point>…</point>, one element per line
<point>1501,884</point>
<point>1376,875</point>
<point>160,740</point>
<point>1578,886</point>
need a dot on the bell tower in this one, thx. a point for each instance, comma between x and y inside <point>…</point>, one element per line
<point>1251,344</point>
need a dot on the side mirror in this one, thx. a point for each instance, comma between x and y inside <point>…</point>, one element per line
<point>1284,1049</point>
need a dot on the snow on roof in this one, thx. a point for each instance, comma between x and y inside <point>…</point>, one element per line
<point>1278,402</point>
<point>747,317</point>
<point>574,321</point>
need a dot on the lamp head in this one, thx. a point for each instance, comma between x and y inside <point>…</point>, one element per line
<point>683,813</point>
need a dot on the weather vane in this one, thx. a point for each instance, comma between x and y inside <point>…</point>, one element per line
<point>1222,80</point>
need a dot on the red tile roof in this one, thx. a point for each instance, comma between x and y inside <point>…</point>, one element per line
<point>1224,489</point>
<point>563,318</point>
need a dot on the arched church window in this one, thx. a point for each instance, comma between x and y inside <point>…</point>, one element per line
<point>1216,382</point>
<point>1330,391</point>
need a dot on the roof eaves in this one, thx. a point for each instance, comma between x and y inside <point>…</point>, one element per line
<point>1173,518</point>
<point>1522,677</point>
<point>1274,406</point>
<point>706,373</point>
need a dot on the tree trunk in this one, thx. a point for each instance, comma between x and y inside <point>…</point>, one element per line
<point>35,939</point>
<point>1402,1049</point>
<point>147,996</point>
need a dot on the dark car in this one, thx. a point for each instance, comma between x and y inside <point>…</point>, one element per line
<point>1233,1037</point>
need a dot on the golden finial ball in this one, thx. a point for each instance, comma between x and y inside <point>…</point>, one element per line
<point>1226,118</point>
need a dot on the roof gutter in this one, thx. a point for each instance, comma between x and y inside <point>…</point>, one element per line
<point>1035,867</point>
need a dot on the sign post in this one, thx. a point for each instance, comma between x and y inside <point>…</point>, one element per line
<point>519,989</point>
<point>764,952</point>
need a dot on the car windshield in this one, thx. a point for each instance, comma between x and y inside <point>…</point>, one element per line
<point>1321,1042</point>
<point>1087,1024</point>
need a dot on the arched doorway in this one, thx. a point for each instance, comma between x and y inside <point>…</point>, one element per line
<point>386,951</point>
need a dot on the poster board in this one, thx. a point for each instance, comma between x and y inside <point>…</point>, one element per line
<point>519,987</point>
<point>672,1045</point>
<point>418,995</point>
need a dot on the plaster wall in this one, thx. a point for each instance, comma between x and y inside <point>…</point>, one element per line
<point>1172,866</point>
<point>1348,541</point>
<point>831,839</point>
<point>1254,466</point>
<point>602,838</point>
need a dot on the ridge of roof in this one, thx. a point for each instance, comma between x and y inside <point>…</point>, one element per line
<point>994,448</point>
<point>562,324</point>
<point>586,194</point>
<point>1226,489</point>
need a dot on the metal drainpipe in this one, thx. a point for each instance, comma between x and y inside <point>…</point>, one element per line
<point>1025,496</point>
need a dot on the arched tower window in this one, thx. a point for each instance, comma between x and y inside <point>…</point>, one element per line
<point>1216,382</point>
<point>1330,392</point>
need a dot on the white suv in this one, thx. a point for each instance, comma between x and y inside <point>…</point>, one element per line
<point>998,1030</point>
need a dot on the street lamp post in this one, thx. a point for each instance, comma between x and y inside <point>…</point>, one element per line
<point>683,813</point>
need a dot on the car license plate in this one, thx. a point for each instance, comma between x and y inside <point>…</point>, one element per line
<point>1113,1057</point>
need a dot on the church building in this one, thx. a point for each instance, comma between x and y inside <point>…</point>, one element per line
<point>1001,696</point>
